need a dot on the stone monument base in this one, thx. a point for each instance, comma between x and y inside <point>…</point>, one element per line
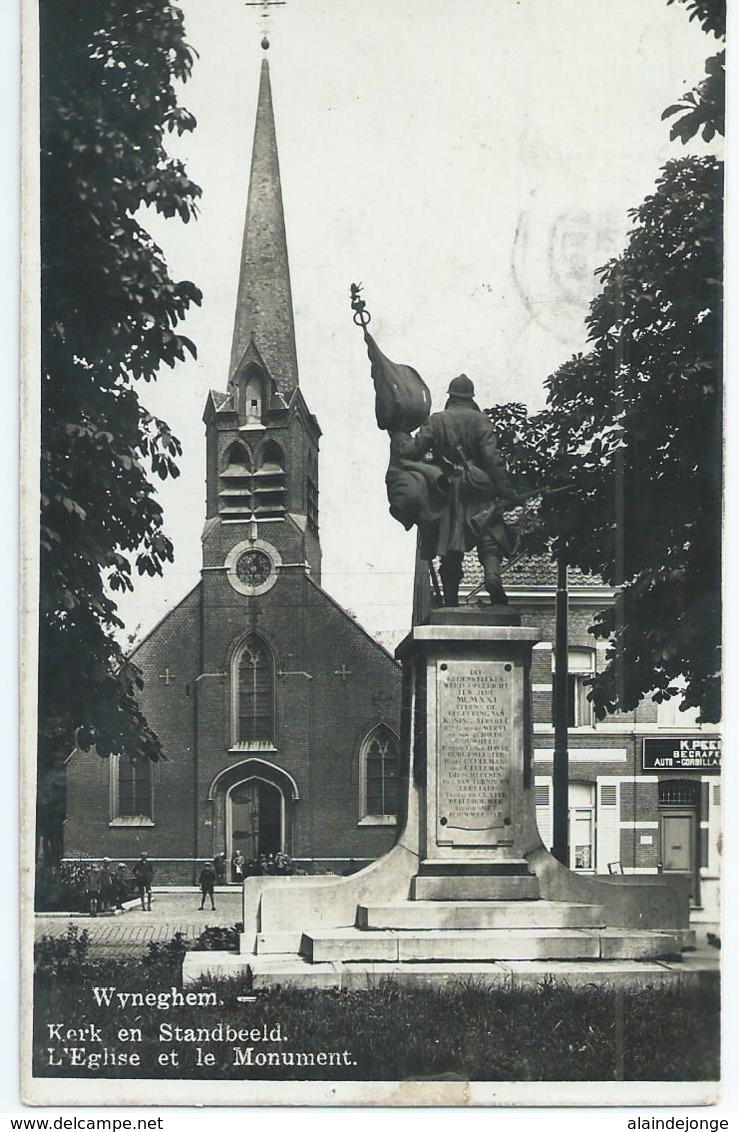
<point>469,888</point>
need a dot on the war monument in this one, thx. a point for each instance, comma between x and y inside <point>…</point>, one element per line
<point>469,887</point>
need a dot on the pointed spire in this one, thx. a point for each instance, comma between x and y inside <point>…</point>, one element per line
<point>264,309</point>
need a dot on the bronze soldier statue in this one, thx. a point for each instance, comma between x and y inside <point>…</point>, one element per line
<point>460,506</point>
<point>448,479</point>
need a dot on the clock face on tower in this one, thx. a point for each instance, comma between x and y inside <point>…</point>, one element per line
<point>252,567</point>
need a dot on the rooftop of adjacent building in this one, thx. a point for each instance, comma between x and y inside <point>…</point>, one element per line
<point>527,571</point>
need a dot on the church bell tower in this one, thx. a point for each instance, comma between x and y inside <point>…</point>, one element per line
<point>262,441</point>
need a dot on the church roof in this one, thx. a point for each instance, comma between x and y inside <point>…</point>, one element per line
<point>264,309</point>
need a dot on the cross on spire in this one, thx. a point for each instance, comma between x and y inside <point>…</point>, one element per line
<point>265,5</point>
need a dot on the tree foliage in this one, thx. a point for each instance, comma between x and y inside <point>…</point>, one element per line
<point>639,419</point>
<point>711,14</point>
<point>702,109</point>
<point>109,313</point>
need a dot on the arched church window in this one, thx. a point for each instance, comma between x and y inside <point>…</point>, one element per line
<point>255,693</point>
<point>379,766</point>
<point>132,790</point>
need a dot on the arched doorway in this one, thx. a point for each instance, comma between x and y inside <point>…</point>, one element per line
<point>254,804</point>
<point>256,813</point>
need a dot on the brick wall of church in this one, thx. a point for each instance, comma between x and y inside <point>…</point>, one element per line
<point>321,718</point>
<point>169,707</point>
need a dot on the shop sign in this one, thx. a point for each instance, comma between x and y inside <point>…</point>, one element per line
<point>703,755</point>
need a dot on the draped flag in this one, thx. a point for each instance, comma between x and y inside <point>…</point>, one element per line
<point>402,398</point>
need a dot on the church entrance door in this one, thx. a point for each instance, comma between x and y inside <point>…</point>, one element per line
<point>257,823</point>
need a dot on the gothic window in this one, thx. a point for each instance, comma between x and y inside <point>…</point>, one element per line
<point>379,775</point>
<point>254,688</point>
<point>132,790</point>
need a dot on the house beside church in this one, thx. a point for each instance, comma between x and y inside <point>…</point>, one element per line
<point>277,713</point>
<point>645,785</point>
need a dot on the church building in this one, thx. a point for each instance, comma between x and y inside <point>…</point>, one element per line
<point>277,713</point>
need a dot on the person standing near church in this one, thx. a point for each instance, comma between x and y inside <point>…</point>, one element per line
<point>92,884</point>
<point>219,866</point>
<point>106,886</point>
<point>143,870</point>
<point>207,881</point>
<point>120,886</point>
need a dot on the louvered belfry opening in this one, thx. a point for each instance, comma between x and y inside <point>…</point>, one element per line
<point>252,488</point>
<point>269,483</point>
<point>256,693</point>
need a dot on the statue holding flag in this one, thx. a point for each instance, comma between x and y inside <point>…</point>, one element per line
<point>448,479</point>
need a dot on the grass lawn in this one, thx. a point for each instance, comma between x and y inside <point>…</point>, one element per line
<point>468,1031</point>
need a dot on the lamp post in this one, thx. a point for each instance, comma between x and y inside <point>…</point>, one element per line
<point>560,775</point>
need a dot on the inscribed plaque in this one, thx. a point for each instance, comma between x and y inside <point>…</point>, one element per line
<point>474,746</point>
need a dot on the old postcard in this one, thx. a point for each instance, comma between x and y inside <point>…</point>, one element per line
<point>372,704</point>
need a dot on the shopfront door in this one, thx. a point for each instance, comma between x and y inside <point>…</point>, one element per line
<point>678,845</point>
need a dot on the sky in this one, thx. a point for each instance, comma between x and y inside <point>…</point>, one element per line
<point>471,164</point>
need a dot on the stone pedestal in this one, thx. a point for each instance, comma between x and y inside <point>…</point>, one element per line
<point>468,880</point>
<point>472,753</point>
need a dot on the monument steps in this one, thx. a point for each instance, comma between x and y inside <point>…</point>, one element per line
<point>344,945</point>
<point>472,914</point>
<point>286,970</point>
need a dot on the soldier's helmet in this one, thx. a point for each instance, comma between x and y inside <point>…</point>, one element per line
<point>462,388</point>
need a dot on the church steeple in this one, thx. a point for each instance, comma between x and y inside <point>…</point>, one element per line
<point>264,309</point>
<point>262,440</point>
